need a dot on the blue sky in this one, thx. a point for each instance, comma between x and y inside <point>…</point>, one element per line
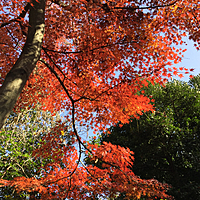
<point>191,60</point>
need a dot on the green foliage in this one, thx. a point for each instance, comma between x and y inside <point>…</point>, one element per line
<point>167,142</point>
<point>19,137</point>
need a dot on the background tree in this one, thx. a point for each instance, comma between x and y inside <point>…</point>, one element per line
<point>19,137</point>
<point>91,62</point>
<point>166,142</point>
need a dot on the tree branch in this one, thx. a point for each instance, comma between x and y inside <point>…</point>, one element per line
<point>19,74</point>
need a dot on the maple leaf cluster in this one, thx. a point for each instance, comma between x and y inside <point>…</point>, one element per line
<point>86,182</point>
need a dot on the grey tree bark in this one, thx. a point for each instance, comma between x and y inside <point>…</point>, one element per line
<point>20,72</point>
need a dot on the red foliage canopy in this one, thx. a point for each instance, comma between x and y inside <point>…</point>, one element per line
<point>95,57</point>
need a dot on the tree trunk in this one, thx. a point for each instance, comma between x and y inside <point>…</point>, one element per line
<point>20,72</point>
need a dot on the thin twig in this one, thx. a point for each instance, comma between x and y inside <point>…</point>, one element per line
<point>87,50</point>
<point>145,7</point>
<point>45,50</point>
<point>21,16</point>
<point>55,73</point>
